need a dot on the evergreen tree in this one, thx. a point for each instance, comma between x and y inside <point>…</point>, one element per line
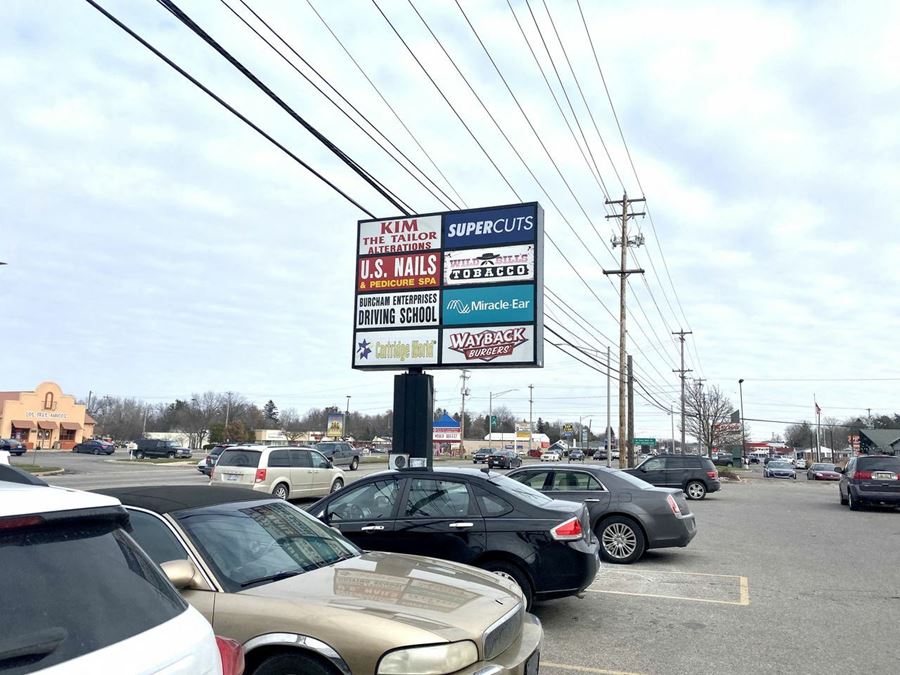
<point>270,410</point>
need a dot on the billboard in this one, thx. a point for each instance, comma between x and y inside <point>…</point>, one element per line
<point>334,427</point>
<point>450,290</point>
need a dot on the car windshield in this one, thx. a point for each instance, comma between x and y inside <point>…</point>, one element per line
<point>252,543</point>
<point>521,491</point>
<point>779,465</point>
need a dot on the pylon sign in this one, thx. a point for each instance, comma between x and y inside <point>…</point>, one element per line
<point>459,289</point>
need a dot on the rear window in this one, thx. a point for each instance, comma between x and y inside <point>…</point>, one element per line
<point>519,490</point>
<point>242,458</point>
<point>707,464</point>
<point>878,464</point>
<point>74,587</point>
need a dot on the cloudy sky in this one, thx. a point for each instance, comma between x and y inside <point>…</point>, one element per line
<point>156,246</point>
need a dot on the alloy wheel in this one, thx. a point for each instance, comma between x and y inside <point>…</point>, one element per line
<point>619,540</point>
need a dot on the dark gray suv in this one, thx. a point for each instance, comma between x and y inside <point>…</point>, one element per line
<point>870,479</point>
<point>154,447</point>
<point>694,474</point>
<point>340,453</point>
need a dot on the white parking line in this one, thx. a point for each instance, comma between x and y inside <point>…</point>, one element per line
<point>718,589</point>
<point>568,667</point>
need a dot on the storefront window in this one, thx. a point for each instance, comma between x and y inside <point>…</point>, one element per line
<point>48,401</point>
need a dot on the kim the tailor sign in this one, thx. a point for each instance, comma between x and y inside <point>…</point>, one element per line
<point>461,289</point>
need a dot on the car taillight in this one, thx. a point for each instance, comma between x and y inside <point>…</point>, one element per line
<point>19,521</point>
<point>862,475</point>
<point>567,530</point>
<point>232,656</point>
<point>260,475</point>
<point>673,505</point>
<point>713,474</point>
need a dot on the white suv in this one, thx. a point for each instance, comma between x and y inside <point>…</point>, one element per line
<point>284,472</point>
<point>79,596</point>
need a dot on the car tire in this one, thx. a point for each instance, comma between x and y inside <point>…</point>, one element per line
<point>96,451</point>
<point>695,489</point>
<point>281,491</point>
<point>170,455</point>
<point>843,498</point>
<point>513,572</point>
<point>336,485</point>
<point>290,664</point>
<point>139,454</point>
<point>354,464</point>
<point>854,504</point>
<point>619,535</point>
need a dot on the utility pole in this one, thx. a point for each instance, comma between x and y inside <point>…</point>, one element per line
<point>227,413</point>
<point>672,419</point>
<point>608,420</point>
<point>630,413</point>
<point>682,371</point>
<point>701,426</point>
<point>464,391</point>
<point>624,241</point>
<point>347,418</point>
<point>530,422</point>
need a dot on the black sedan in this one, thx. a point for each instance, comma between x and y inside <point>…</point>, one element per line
<point>95,447</point>
<point>481,455</point>
<point>470,516</point>
<point>13,446</point>
<point>504,459</point>
<point>628,515</point>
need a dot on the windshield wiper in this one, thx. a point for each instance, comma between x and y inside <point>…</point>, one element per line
<point>278,576</point>
<point>38,643</point>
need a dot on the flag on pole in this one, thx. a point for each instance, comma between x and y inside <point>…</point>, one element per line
<point>818,409</point>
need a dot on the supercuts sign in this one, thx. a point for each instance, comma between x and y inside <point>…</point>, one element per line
<point>450,290</point>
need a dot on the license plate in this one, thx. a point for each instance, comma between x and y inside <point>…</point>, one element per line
<point>533,664</point>
<point>883,475</point>
<point>231,476</point>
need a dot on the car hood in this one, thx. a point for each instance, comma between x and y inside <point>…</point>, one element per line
<point>446,599</point>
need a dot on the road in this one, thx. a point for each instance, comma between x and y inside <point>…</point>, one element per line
<point>780,578</point>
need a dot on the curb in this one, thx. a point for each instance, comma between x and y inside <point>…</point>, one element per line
<point>58,472</point>
<point>138,462</point>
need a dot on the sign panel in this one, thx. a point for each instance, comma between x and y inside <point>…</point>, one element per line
<point>402,235</point>
<point>489,227</point>
<point>397,272</point>
<point>645,441</point>
<point>334,428</point>
<point>495,304</point>
<point>445,434</point>
<point>497,265</point>
<point>450,290</point>
<point>488,344</point>
<point>386,310</point>
<point>403,348</point>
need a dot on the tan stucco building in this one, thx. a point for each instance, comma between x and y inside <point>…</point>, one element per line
<point>44,418</point>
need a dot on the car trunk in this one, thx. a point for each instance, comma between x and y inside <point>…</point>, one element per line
<point>237,467</point>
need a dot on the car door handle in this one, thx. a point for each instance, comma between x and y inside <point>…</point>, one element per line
<point>371,528</point>
<point>592,500</point>
<point>460,526</point>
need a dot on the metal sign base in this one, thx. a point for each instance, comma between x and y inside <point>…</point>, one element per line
<point>413,419</point>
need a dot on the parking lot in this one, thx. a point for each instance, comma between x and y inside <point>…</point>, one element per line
<point>780,578</point>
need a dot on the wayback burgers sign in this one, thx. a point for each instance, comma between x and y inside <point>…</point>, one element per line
<point>461,289</point>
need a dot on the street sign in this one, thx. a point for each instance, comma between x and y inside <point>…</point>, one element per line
<point>450,290</point>
<point>645,441</point>
<point>493,420</point>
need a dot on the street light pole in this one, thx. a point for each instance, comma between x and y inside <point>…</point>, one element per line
<point>743,438</point>
<point>347,418</point>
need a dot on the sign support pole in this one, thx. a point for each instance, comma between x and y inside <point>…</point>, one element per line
<point>413,418</point>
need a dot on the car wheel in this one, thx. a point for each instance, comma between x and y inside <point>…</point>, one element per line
<point>96,451</point>
<point>289,664</point>
<point>621,540</point>
<point>843,498</point>
<point>280,491</point>
<point>337,485</point>
<point>354,464</point>
<point>853,503</point>
<point>170,455</point>
<point>513,573</point>
<point>139,454</point>
<point>695,490</point>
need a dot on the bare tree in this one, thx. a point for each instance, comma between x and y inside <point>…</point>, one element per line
<point>197,416</point>
<point>291,424</point>
<point>708,414</point>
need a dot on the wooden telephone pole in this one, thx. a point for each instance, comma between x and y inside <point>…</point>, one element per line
<point>681,371</point>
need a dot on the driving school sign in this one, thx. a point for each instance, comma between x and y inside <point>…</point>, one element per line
<point>450,290</point>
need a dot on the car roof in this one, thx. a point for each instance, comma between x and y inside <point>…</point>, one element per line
<point>19,499</point>
<point>169,498</point>
<point>454,472</point>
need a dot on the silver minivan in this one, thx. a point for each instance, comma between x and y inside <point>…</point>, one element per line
<point>284,472</point>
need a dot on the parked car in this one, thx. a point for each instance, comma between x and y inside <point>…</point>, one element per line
<point>94,447</point>
<point>504,459</point>
<point>481,455</point>
<point>600,454</point>
<point>474,517</point>
<point>340,453</point>
<point>551,456</point>
<point>154,447</point>
<point>800,463</point>
<point>206,464</point>
<point>84,597</point>
<point>283,472</point>
<point>779,470</point>
<point>723,460</point>
<point>695,475</point>
<point>823,471</point>
<point>628,515</point>
<point>870,479</point>
<point>576,455</point>
<point>303,599</point>
<point>13,446</point>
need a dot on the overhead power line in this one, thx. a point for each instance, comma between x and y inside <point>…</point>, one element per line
<point>190,78</point>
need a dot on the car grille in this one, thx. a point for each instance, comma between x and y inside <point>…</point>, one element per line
<point>503,633</point>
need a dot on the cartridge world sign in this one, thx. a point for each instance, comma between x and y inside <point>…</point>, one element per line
<point>462,289</point>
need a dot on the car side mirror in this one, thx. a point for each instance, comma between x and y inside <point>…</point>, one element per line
<point>330,464</point>
<point>181,573</point>
<point>644,469</point>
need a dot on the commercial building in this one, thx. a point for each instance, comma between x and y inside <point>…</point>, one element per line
<point>44,418</point>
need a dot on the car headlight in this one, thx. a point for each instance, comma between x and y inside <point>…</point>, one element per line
<point>434,660</point>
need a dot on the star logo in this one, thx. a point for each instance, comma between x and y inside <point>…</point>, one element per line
<point>362,348</point>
